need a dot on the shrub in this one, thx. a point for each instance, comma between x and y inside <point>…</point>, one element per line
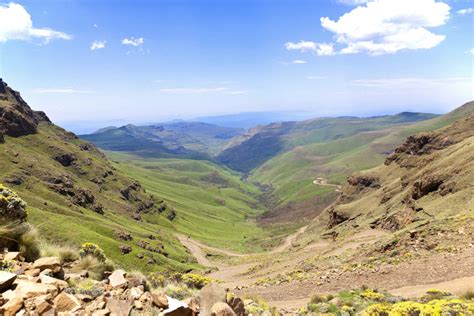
<point>12,208</point>
<point>7,265</point>
<point>372,295</point>
<point>195,280</point>
<point>469,295</point>
<point>91,249</point>
<point>179,292</point>
<point>94,266</point>
<point>64,253</point>
<point>29,245</point>
<point>316,299</point>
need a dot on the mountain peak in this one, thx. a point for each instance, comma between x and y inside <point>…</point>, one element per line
<point>16,116</point>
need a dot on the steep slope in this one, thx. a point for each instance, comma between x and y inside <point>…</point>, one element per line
<point>427,182</point>
<point>292,173</point>
<point>76,195</point>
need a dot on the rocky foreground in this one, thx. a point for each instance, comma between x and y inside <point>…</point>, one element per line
<point>46,287</point>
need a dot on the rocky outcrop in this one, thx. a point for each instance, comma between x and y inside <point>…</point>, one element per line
<point>364,181</point>
<point>16,117</point>
<point>429,142</point>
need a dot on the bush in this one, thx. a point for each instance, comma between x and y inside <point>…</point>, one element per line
<point>316,299</point>
<point>179,291</point>
<point>7,265</point>
<point>91,249</point>
<point>469,295</point>
<point>64,253</point>
<point>29,245</point>
<point>94,266</point>
<point>195,280</point>
<point>12,208</point>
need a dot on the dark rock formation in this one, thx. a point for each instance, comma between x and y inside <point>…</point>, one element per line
<point>364,181</point>
<point>16,117</point>
<point>65,159</point>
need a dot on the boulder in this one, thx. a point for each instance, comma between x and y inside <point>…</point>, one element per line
<point>237,305</point>
<point>66,303</point>
<point>117,279</point>
<point>12,256</point>
<point>209,295</point>
<point>32,272</point>
<point>28,289</point>
<point>177,308</point>
<point>60,284</point>
<point>11,307</point>
<point>6,280</point>
<point>51,263</point>
<point>160,300</point>
<point>119,307</point>
<point>222,309</point>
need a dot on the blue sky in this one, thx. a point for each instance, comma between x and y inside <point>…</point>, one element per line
<point>143,61</point>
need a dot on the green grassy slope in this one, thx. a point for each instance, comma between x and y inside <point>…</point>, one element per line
<point>292,173</point>
<point>212,202</point>
<point>263,143</point>
<point>30,160</point>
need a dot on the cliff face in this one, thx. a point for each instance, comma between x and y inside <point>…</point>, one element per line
<point>16,117</point>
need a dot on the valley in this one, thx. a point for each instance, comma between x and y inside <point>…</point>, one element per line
<point>340,201</point>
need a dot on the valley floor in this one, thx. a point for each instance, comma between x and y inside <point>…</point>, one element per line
<point>279,278</point>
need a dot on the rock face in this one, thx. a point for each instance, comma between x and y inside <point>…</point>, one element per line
<point>16,117</point>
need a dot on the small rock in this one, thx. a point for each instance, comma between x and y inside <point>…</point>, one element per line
<point>60,284</point>
<point>102,312</point>
<point>6,280</point>
<point>66,302</point>
<point>32,272</point>
<point>117,279</point>
<point>28,289</point>
<point>12,256</point>
<point>11,307</point>
<point>160,300</point>
<point>135,293</point>
<point>52,263</point>
<point>222,309</point>
<point>119,307</point>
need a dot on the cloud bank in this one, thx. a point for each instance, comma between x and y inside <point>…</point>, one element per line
<point>382,27</point>
<point>16,24</point>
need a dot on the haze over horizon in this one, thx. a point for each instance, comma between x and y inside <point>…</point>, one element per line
<point>202,58</point>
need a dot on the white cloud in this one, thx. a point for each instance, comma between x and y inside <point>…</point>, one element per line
<point>471,51</point>
<point>316,77</point>
<point>299,62</point>
<point>16,24</point>
<point>465,11</point>
<point>133,41</point>
<point>193,90</point>
<point>383,27</point>
<point>98,45</point>
<point>320,49</point>
<point>62,90</point>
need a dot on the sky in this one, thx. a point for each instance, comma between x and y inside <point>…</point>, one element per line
<point>142,61</point>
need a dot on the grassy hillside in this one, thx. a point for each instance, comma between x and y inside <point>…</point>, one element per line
<point>423,189</point>
<point>213,204</point>
<point>263,143</point>
<point>292,173</point>
<point>76,195</point>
